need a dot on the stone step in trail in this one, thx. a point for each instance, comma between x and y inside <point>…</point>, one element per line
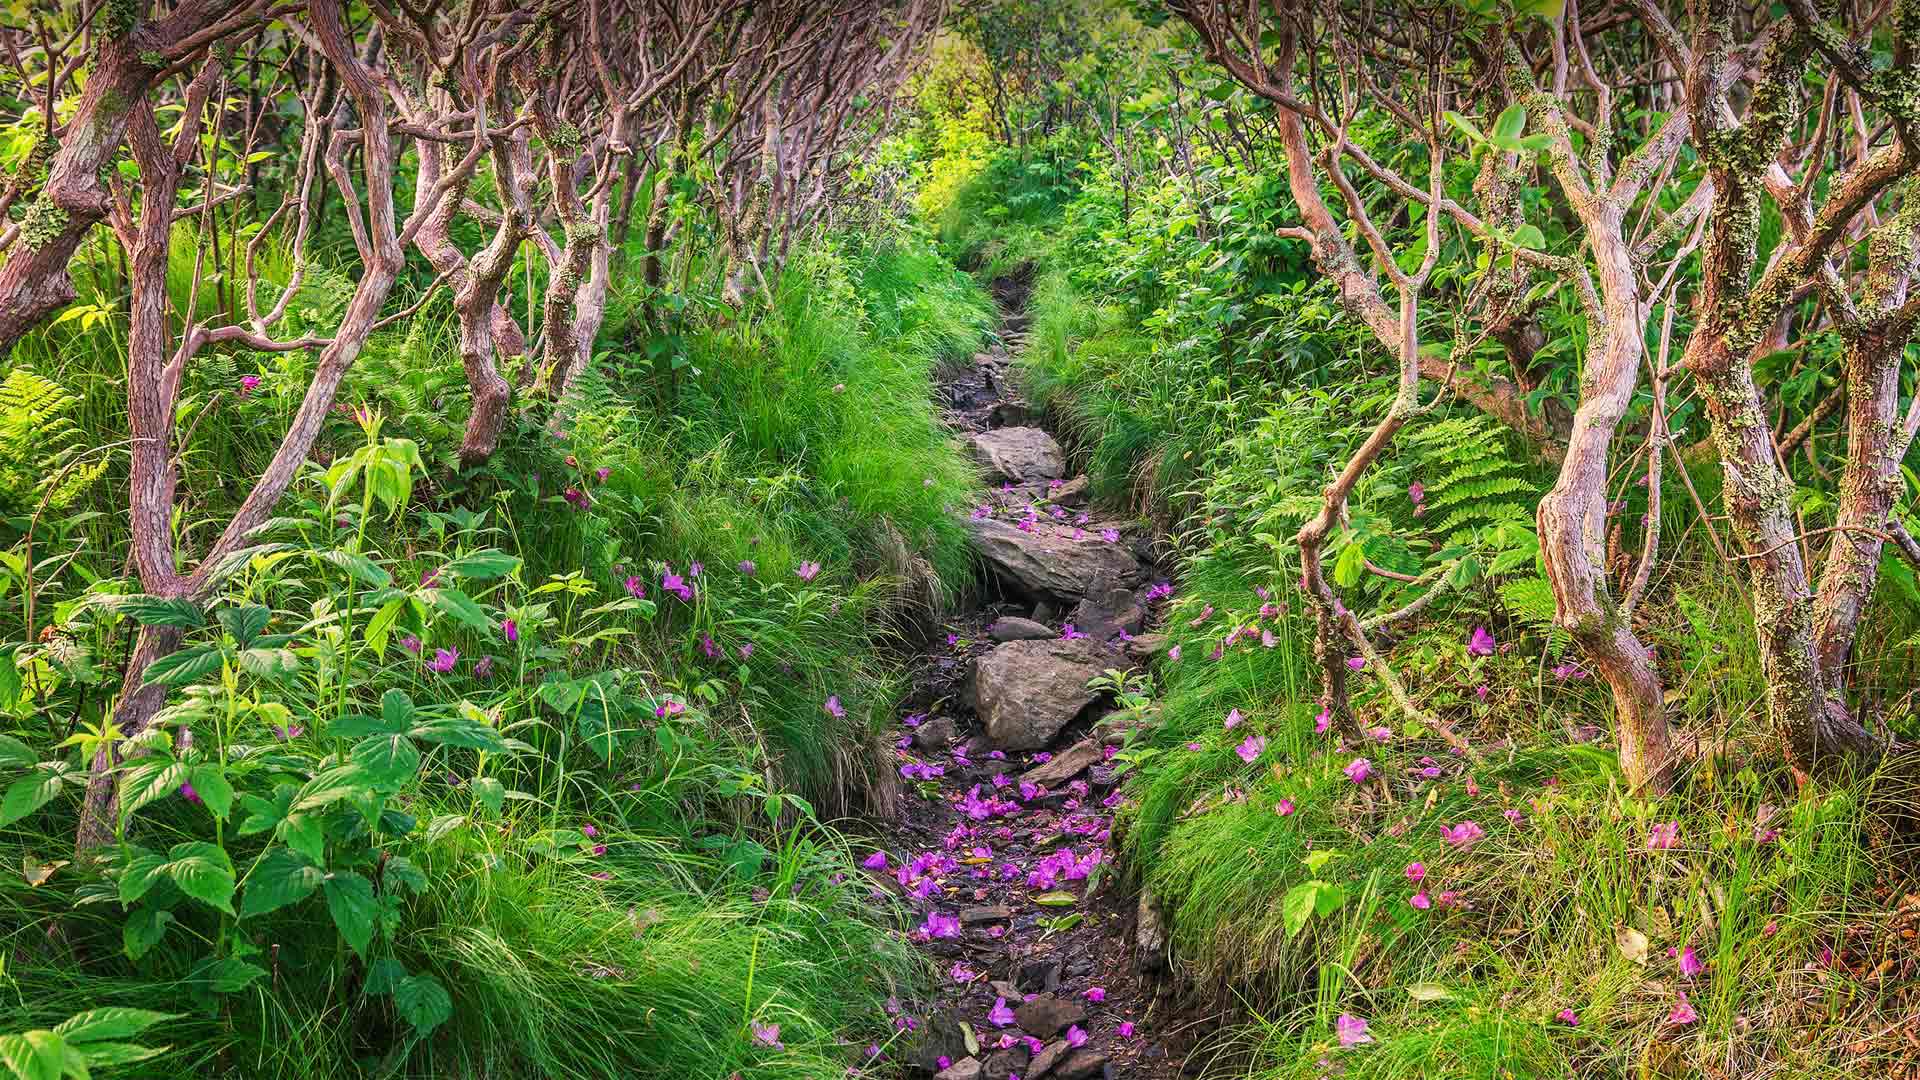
<point>1007,859</point>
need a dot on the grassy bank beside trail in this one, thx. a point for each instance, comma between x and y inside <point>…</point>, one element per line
<point>1510,911</point>
<point>604,696</point>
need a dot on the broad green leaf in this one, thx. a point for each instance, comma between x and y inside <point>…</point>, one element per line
<point>1350,565</point>
<point>185,666</point>
<point>148,781</point>
<point>362,568</point>
<point>13,752</point>
<point>1508,126</point>
<point>245,622</point>
<point>360,725</point>
<point>161,611</point>
<point>463,733</point>
<point>380,627</point>
<point>269,663</point>
<point>230,975</point>
<point>141,871</point>
<point>210,783</point>
<point>404,873</point>
<point>1057,898</point>
<point>491,793</point>
<point>387,761</point>
<point>34,1055</point>
<point>305,833</point>
<point>461,607</point>
<point>1465,125</point>
<point>423,1002</point>
<point>483,565</point>
<point>351,902</point>
<point>201,871</point>
<point>1296,907</point>
<point>96,1025</point>
<point>283,877</point>
<point>396,708</point>
<point>29,793</point>
<point>143,930</point>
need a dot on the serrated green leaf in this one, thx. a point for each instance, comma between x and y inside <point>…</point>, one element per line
<point>29,793</point>
<point>461,607</point>
<point>202,871</point>
<point>244,623</point>
<point>172,611</point>
<point>15,753</point>
<point>365,570</point>
<point>462,732</point>
<point>423,1002</point>
<point>483,565</point>
<point>185,666</point>
<point>283,877</point>
<point>144,929</point>
<point>216,793</point>
<point>386,761</point>
<point>96,1025</point>
<point>150,780</point>
<point>351,902</point>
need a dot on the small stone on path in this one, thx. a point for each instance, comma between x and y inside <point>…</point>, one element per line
<point>964,1069</point>
<point>1015,628</point>
<point>1066,764</point>
<point>1048,1015</point>
<point>1018,455</point>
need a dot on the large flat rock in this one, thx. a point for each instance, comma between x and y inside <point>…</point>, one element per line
<point>1052,563</point>
<point>1019,455</point>
<point>1026,691</point>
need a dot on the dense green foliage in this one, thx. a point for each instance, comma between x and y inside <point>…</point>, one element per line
<point>453,781</point>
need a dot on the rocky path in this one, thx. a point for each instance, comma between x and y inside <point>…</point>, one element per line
<point>1003,844</point>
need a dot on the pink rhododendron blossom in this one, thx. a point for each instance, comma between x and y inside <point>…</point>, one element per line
<point>1481,643</point>
<point>1351,1029</point>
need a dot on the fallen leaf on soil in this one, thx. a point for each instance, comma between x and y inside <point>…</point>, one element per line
<point>1633,944</point>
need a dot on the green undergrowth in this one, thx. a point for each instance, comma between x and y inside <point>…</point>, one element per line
<point>1218,394</point>
<point>597,703</point>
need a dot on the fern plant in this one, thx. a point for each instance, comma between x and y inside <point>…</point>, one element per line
<point>41,450</point>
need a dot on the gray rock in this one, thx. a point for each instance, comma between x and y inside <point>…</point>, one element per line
<point>1015,628</point>
<point>1072,494</point>
<point>934,735</point>
<point>1009,414</point>
<point>1007,1062</point>
<point>1044,1062</point>
<point>1145,648</point>
<point>944,1035</point>
<point>1019,454</point>
<point>1046,563</point>
<point>1107,609</point>
<point>1066,764</point>
<point>1039,976</point>
<point>1081,1064</point>
<point>1026,691</point>
<point>1048,1015</point>
<point>964,1069</point>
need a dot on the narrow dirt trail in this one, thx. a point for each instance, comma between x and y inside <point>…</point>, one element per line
<point>1045,969</point>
